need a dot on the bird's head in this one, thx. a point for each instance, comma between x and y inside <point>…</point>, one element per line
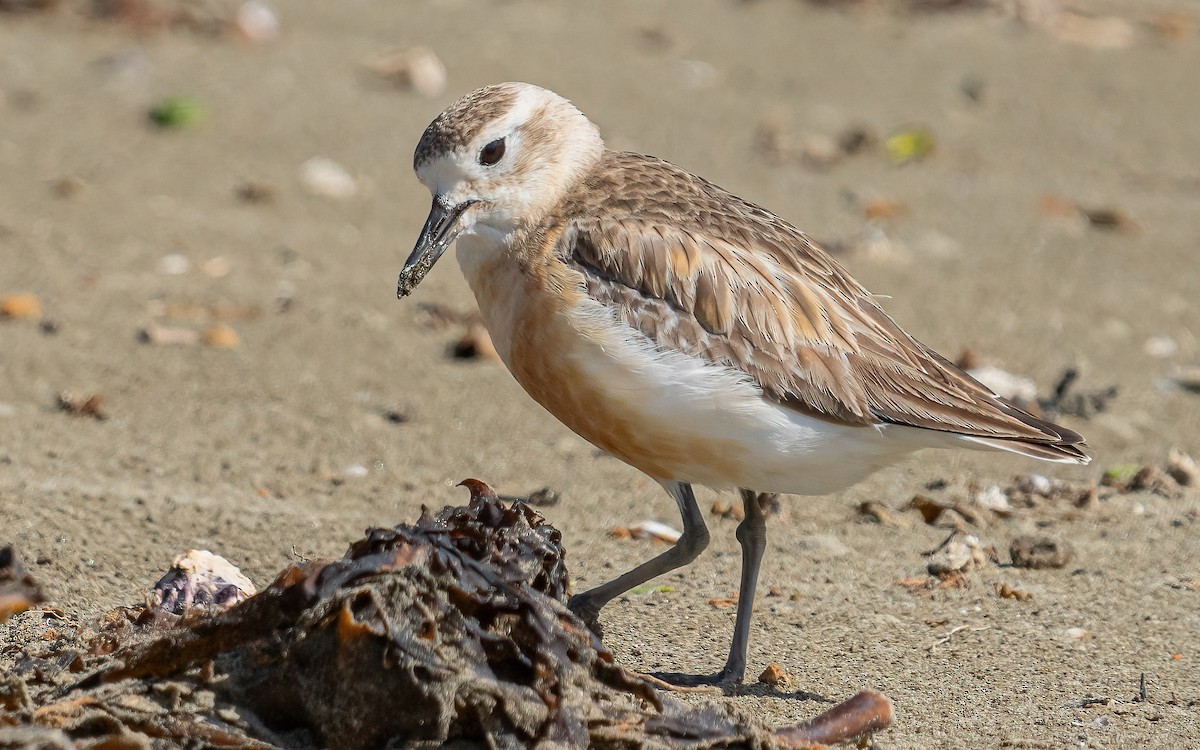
<point>497,158</point>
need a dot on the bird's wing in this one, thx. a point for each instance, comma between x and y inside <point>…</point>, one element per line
<point>715,277</point>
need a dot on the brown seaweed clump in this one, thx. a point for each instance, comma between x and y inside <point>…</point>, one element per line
<point>452,628</point>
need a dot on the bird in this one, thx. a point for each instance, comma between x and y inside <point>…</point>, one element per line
<point>696,336</point>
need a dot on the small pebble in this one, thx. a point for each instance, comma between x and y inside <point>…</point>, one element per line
<point>728,510</point>
<point>1077,633</point>
<point>993,498</point>
<point>1056,206</point>
<point>174,264</point>
<point>855,139</point>
<point>958,555</point>
<point>884,209</point>
<point>543,498</point>
<point>1161,347</point>
<point>82,405</point>
<point>220,336</point>
<point>68,187</point>
<point>256,21</point>
<point>217,267</point>
<point>698,74</point>
<point>1008,592</point>
<point>230,715</point>
<point>973,88</point>
<point>774,676</point>
<point>326,178</point>
<point>21,305</point>
<point>1183,468</point>
<point>1035,483</point>
<point>1110,219</point>
<point>1175,25</point>
<point>876,246</point>
<point>820,151</point>
<point>1106,32</point>
<point>395,416</point>
<point>1039,552</point>
<point>953,557</point>
<point>255,192</point>
<point>416,68</point>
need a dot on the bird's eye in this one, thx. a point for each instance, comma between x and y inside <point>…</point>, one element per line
<point>492,153</point>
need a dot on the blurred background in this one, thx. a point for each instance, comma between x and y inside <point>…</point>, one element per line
<point>204,207</point>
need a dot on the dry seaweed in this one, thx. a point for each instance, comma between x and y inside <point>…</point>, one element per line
<point>453,628</point>
<point>1067,399</point>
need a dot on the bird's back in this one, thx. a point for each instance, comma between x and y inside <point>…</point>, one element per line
<point>699,270</point>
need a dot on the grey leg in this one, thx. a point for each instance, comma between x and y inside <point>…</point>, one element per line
<point>752,534</point>
<point>693,541</point>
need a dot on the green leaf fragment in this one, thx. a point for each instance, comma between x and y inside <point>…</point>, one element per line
<point>647,589</point>
<point>177,112</point>
<point>910,145</point>
<point>1121,472</point>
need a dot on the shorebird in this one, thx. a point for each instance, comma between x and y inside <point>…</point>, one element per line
<point>692,334</point>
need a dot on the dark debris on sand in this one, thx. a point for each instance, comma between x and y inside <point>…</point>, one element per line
<point>18,590</point>
<point>452,628</point>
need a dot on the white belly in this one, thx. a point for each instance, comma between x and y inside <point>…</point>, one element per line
<point>767,447</point>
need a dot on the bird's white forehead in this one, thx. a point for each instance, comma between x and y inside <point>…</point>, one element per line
<point>476,119</point>
<point>528,117</point>
<point>462,160</point>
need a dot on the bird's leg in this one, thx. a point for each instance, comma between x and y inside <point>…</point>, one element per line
<point>693,541</point>
<point>752,534</point>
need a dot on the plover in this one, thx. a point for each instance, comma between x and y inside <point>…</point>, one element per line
<point>694,335</point>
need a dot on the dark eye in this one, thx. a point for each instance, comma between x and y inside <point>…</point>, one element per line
<point>492,153</point>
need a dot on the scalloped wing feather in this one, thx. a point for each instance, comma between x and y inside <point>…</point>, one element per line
<point>698,270</point>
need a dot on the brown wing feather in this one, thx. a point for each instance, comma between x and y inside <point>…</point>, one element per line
<point>699,270</point>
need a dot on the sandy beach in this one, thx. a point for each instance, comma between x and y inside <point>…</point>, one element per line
<point>1055,224</point>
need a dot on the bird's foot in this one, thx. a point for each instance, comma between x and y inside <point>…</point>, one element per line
<point>583,608</point>
<point>724,682</point>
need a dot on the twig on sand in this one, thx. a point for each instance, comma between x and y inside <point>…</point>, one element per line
<point>864,714</point>
<point>957,629</point>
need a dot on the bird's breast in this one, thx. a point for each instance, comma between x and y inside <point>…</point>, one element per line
<point>571,363</point>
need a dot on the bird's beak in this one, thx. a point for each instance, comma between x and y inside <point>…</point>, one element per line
<point>440,229</point>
